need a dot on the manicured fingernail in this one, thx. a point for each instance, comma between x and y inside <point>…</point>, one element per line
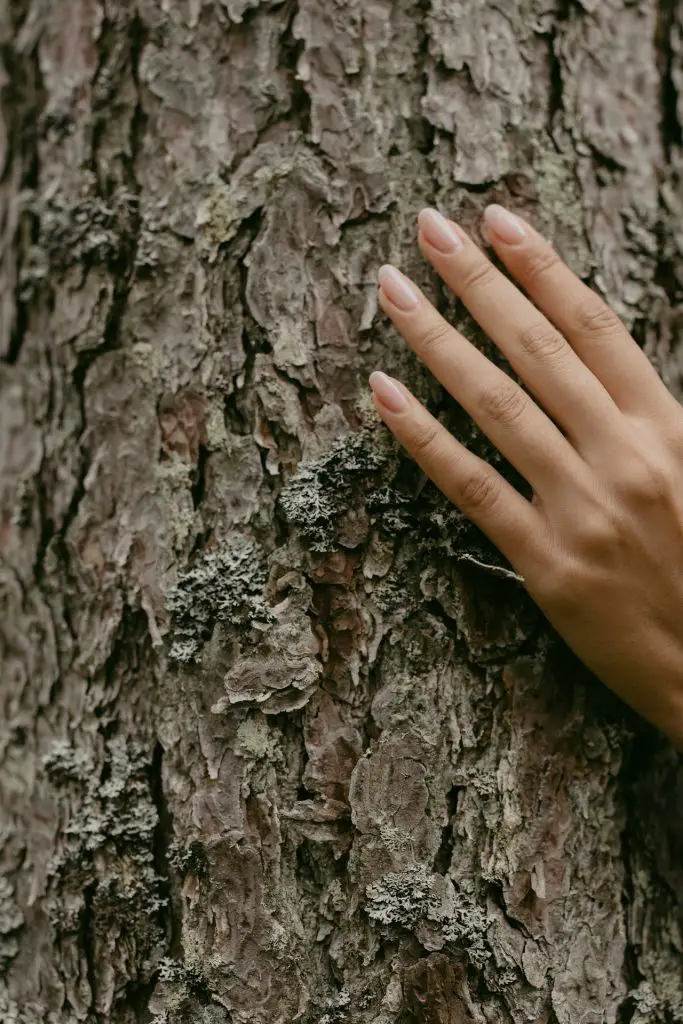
<point>439,232</point>
<point>398,289</point>
<point>388,392</point>
<point>504,224</point>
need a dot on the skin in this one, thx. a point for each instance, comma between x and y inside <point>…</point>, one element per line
<point>598,437</point>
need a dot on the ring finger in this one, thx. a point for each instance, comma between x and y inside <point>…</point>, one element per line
<point>521,431</point>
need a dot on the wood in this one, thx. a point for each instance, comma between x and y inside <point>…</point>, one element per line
<point>279,739</point>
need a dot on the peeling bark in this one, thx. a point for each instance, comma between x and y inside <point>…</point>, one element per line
<point>281,736</point>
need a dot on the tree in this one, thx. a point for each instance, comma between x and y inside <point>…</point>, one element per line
<point>282,736</point>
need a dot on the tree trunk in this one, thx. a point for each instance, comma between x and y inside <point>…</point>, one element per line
<point>283,738</point>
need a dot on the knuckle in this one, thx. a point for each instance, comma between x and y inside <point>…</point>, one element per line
<point>481,274</point>
<point>598,533</point>
<point>542,341</point>
<point>479,492</point>
<point>539,261</point>
<point>504,403</point>
<point>595,317</point>
<point>648,482</point>
<point>562,583</point>
<point>435,336</point>
<point>424,439</point>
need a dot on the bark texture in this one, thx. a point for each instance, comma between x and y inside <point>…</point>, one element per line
<point>280,737</point>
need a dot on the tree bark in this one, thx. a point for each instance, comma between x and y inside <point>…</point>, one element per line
<point>282,738</point>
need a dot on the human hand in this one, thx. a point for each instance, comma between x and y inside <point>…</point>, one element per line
<point>600,545</point>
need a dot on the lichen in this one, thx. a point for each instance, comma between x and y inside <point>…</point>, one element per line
<point>223,586</point>
<point>337,1008</point>
<point>188,858</point>
<point>181,986</point>
<point>401,897</point>
<point>559,199</point>
<point>65,763</point>
<point>391,510</point>
<point>89,230</point>
<point>257,741</point>
<point>11,919</point>
<point>324,489</point>
<point>107,843</point>
<point>413,896</point>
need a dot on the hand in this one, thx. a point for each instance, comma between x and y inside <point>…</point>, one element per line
<point>600,545</point>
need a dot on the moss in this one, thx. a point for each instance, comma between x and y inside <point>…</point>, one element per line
<point>223,586</point>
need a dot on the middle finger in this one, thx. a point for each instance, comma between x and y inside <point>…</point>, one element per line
<point>541,356</point>
<point>521,431</point>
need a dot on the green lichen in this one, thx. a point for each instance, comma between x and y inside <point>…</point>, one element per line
<point>147,359</point>
<point>223,586</point>
<point>338,1008</point>
<point>257,741</point>
<point>120,807</point>
<point>227,206</point>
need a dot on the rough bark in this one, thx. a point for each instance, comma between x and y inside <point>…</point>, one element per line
<point>280,739</point>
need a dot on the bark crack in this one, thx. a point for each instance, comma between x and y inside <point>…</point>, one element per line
<point>670,127</point>
<point>87,944</point>
<point>556,90</point>
<point>422,59</point>
<point>671,137</point>
<point>122,267</point>
<point>23,100</point>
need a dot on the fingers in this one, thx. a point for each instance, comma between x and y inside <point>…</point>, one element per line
<point>564,385</point>
<point>527,438</point>
<point>512,523</point>
<point>595,332</point>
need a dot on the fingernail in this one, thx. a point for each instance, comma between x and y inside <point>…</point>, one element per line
<point>388,392</point>
<point>398,289</point>
<point>439,232</point>
<point>504,224</point>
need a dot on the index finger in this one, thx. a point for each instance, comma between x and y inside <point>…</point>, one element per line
<point>515,525</point>
<point>593,330</point>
